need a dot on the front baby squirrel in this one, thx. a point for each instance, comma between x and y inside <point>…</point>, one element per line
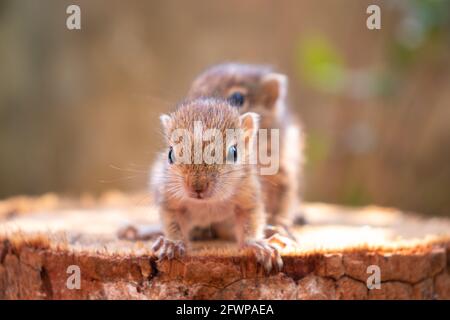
<point>259,89</point>
<point>191,192</point>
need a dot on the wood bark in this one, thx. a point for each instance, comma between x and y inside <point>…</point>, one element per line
<point>41,237</point>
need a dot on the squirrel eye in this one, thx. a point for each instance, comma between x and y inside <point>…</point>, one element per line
<point>232,154</point>
<point>171,156</point>
<point>236,99</point>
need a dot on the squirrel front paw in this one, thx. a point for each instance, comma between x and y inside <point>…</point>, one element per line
<point>166,248</point>
<point>283,231</point>
<point>266,254</point>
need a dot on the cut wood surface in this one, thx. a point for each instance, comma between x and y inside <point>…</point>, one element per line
<point>41,237</point>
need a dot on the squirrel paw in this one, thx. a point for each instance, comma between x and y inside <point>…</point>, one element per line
<point>284,231</point>
<point>128,232</point>
<point>134,232</point>
<point>281,242</point>
<point>266,254</point>
<point>166,248</point>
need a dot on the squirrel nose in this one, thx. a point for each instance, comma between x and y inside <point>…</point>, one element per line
<point>200,187</point>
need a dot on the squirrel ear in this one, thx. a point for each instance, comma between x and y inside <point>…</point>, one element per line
<point>250,123</point>
<point>165,121</point>
<point>275,88</point>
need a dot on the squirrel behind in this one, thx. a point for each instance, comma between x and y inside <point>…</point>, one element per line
<point>259,89</point>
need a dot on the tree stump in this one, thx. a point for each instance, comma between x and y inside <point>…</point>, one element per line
<point>42,237</point>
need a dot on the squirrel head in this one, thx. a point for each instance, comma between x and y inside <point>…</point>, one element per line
<point>209,147</point>
<point>247,87</point>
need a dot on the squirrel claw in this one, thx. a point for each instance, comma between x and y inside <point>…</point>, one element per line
<point>166,248</point>
<point>265,254</point>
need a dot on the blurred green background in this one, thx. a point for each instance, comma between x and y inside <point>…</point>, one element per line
<point>79,109</point>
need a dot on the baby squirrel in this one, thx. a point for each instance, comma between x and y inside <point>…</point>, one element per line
<point>225,195</point>
<point>259,89</point>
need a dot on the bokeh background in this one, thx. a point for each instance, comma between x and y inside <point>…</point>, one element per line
<point>79,109</point>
